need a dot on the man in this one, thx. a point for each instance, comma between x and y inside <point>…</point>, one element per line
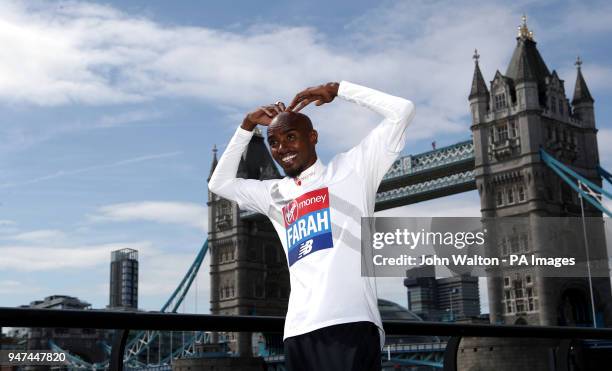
<point>332,322</point>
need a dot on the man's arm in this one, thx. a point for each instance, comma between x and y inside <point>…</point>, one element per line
<point>248,193</point>
<point>375,154</point>
<point>398,113</point>
<point>319,94</point>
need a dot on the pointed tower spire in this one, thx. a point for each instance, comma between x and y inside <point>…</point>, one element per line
<point>479,87</point>
<point>524,71</point>
<point>581,91</point>
<point>526,63</point>
<point>523,31</point>
<point>479,94</point>
<point>214,161</point>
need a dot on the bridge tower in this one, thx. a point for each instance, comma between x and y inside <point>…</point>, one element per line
<point>521,111</point>
<point>248,269</point>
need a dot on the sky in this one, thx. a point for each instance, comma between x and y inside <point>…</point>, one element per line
<point>111,110</point>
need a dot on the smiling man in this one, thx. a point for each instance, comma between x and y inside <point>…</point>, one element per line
<point>332,322</point>
<point>292,142</point>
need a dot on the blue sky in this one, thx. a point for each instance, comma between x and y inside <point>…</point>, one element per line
<point>110,111</point>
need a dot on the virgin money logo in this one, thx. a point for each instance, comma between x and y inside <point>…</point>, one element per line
<point>291,212</point>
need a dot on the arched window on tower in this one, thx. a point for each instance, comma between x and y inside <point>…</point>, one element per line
<point>502,132</point>
<point>500,101</point>
<point>513,129</point>
<point>510,195</point>
<point>521,193</point>
<point>500,198</point>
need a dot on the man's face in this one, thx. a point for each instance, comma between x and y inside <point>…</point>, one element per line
<point>292,142</point>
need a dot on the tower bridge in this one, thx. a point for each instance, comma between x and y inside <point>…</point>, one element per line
<point>513,118</point>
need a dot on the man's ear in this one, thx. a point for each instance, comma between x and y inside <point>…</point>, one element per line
<point>314,137</point>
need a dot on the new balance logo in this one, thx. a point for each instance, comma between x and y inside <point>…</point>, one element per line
<point>305,248</point>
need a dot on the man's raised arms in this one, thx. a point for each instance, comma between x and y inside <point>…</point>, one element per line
<point>262,116</point>
<point>318,94</point>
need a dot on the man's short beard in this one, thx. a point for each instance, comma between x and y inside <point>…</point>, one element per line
<point>293,173</point>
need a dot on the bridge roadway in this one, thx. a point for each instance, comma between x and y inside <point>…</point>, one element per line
<point>414,178</point>
<point>425,176</point>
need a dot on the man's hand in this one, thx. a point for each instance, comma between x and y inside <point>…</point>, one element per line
<point>319,94</point>
<point>262,116</point>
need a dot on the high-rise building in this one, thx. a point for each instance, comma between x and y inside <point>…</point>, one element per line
<point>124,279</point>
<point>446,299</point>
<point>458,296</point>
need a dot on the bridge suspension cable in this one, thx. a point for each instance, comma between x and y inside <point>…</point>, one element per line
<point>588,190</point>
<point>604,174</point>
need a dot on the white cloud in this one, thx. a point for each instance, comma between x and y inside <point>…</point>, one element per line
<point>31,258</point>
<point>95,54</point>
<point>42,236</point>
<point>92,54</point>
<point>47,63</point>
<point>188,214</point>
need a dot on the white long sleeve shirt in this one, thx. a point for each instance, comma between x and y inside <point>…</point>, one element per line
<point>319,220</point>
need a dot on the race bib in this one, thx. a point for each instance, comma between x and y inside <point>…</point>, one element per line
<point>308,224</point>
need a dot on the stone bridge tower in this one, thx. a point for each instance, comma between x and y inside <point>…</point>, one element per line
<point>248,269</point>
<point>524,110</point>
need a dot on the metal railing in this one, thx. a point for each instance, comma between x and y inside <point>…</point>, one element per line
<point>124,322</point>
